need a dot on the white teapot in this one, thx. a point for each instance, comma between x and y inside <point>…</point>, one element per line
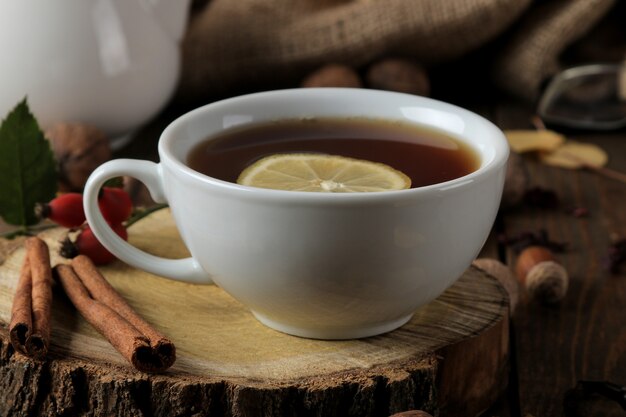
<point>110,63</point>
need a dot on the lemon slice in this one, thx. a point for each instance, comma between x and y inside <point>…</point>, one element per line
<point>322,173</point>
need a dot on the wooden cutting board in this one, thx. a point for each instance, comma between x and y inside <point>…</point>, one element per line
<point>450,359</point>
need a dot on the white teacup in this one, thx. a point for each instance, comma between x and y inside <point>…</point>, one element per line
<point>329,266</point>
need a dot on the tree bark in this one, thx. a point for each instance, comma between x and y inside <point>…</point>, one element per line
<point>450,359</point>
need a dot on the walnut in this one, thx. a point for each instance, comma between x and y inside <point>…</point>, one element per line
<point>333,75</point>
<point>138,192</point>
<point>504,275</point>
<point>400,75</point>
<point>78,149</point>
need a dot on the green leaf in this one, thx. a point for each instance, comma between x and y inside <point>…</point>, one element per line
<point>27,167</point>
<point>115,182</point>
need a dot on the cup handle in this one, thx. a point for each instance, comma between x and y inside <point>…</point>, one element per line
<point>150,173</point>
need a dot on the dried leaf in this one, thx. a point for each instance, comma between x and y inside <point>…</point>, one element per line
<point>575,155</point>
<point>533,140</point>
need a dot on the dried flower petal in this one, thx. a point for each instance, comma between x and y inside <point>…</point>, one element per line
<point>616,256</point>
<point>525,239</point>
<point>579,212</point>
<point>541,197</point>
<point>575,155</point>
<point>533,140</point>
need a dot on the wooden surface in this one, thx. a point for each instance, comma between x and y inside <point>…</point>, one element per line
<point>451,357</point>
<point>584,337</point>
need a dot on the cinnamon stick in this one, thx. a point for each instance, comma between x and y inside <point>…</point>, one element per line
<point>31,311</point>
<point>101,290</point>
<point>122,335</point>
<point>39,260</point>
<point>138,342</point>
<point>21,311</point>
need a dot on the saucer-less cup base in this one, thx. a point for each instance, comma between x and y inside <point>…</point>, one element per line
<point>329,266</point>
<point>334,333</point>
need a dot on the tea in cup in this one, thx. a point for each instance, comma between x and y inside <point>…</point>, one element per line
<point>330,265</point>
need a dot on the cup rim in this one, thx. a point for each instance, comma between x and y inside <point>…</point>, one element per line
<point>168,135</point>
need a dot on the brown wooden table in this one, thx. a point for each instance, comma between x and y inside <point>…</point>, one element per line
<point>583,337</point>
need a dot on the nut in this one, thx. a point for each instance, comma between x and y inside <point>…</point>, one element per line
<point>138,192</point>
<point>547,282</point>
<point>78,150</point>
<point>542,276</point>
<point>398,75</point>
<point>504,275</point>
<point>333,75</point>
<point>528,258</point>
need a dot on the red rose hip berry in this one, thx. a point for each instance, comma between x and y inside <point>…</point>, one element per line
<point>65,210</point>
<point>87,244</point>
<point>115,204</point>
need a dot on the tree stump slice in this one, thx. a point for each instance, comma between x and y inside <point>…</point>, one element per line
<point>450,359</point>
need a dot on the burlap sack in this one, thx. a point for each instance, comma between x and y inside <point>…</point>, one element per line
<point>532,55</point>
<point>234,46</point>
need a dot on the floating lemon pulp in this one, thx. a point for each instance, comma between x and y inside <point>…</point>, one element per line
<point>322,173</point>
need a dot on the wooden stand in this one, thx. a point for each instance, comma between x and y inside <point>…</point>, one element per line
<point>450,359</point>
